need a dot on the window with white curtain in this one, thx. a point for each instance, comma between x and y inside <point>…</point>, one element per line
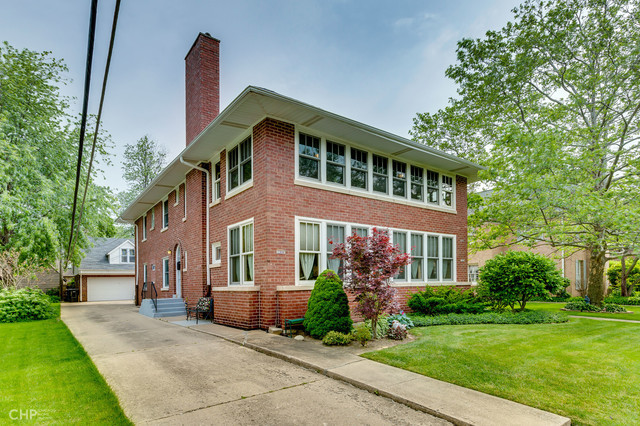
<point>400,240</point>
<point>309,251</point>
<point>417,257</point>
<point>433,258</point>
<point>447,259</point>
<point>335,235</point>
<point>363,232</point>
<point>241,254</point>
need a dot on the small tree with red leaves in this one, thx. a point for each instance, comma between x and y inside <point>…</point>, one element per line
<point>369,265</point>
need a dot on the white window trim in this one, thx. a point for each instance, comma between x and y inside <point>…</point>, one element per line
<point>348,227</point>
<point>144,227</point>
<point>184,200</point>
<point>177,192</point>
<point>217,197</point>
<point>249,183</point>
<point>242,283</point>
<point>145,274</point>
<point>216,263</point>
<point>165,287</point>
<point>153,219</point>
<point>369,192</point>
<point>164,228</point>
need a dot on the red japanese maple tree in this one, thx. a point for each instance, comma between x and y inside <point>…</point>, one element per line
<point>369,265</point>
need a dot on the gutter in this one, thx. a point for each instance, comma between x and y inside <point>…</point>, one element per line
<point>206,172</point>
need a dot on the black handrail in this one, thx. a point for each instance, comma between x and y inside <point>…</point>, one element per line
<point>154,295</point>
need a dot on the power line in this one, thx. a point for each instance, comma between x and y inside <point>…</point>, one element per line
<point>83,122</point>
<point>95,134</point>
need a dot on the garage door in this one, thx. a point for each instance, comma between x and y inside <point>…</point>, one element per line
<point>110,288</point>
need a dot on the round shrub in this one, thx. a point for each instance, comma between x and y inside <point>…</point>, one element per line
<point>328,307</point>
<point>25,304</point>
<point>335,338</point>
<point>516,277</point>
<point>362,334</point>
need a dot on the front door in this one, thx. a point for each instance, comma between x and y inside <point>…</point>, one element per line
<point>178,274</point>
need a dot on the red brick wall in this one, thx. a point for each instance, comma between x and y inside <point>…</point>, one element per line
<point>237,309</point>
<point>188,234</point>
<point>202,83</point>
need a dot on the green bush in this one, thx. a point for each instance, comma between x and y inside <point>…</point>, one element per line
<point>54,299</point>
<point>611,307</point>
<point>582,306</point>
<point>328,307</point>
<point>526,317</point>
<point>362,334</point>
<point>516,277</point>
<point>619,300</point>
<point>53,292</point>
<point>335,338</point>
<point>445,300</point>
<point>25,304</point>
<point>402,318</point>
<point>382,326</point>
<point>614,271</point>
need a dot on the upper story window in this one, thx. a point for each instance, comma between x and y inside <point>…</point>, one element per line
<point>309,158</point>
<point>144,227</point>
<point>127,256</point>
<point>153,219</point>
<point>339,165</point>
<point>216,182</point>
<point>165,214</point>
<point>184,201</point>
<point>177,200</point>
<point>239,164</point>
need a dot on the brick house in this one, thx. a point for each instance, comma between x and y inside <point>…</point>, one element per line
<point>244,213</point>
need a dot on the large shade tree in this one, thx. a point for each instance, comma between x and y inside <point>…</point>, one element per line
<point>142,163</point>
<point>551,105</point>
<point>38,148</point>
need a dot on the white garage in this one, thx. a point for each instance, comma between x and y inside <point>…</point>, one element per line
<point>110,288</point>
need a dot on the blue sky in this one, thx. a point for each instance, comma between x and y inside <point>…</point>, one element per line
<point>378,62</point>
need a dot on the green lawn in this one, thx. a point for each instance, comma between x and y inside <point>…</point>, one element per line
<point>45,369</point>
<point>556,307</point>
<point>587,370</point>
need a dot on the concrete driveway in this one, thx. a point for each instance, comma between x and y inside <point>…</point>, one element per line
<point>164,373</point>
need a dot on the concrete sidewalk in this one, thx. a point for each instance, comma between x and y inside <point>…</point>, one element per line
<point>453,403</point>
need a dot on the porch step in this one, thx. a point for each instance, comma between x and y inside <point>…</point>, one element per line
<point>166,308</point>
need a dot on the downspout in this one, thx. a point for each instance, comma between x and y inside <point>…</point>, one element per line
<point>206,172</point>
<point>135,238</point>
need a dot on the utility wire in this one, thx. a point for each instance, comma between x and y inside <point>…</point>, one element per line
<point>83,122</point>
<point>95,134</point>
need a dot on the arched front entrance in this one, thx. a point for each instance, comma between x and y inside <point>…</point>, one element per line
<point>178,273</point>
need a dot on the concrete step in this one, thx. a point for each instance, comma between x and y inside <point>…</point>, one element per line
<point>166,308</point>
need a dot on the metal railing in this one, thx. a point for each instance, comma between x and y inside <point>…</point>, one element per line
<point>154,295</point>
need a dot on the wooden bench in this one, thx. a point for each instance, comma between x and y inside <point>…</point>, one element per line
<point>289,324</point>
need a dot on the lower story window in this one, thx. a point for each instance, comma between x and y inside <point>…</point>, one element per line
<point>241,254</point>
<point>309,251</point>
<point>165,272</point>
<point>335,235</point>
<point>474,273</point>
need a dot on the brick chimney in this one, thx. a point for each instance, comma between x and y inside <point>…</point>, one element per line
<point>202,83</point>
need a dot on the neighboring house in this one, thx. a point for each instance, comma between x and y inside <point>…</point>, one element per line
<point>246,211</point>
<point>574,266</point>
<point>107,272</point>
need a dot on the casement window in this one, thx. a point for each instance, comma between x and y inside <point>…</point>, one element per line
<point>153,219</point>
<point>309,156</point>
<point>216,254</point>
<point>474,273</point>
<point>165,214</point>
<point>417,183</point>
<point>581,275</point>
<point>239,164</point>
<point>309,251</point>
<point>400,239</point>
<point>336,163</point>
<point>417,257</point>
<point>344,168</point>
<point>241,254</point>
<point>127,256</point>
<point>380,174</point>
<point>144,227</point>
<point>216,183</point>
<point>399,179</point>
<point>433,255</point>
<point>447,190</point>
<point>165,273</point>
<point>335,235</point>
<point>359,169</point>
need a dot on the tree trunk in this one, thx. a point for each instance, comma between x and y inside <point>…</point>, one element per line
<point>595,288</point>
<point>623,277</point>
<point>374,325</point>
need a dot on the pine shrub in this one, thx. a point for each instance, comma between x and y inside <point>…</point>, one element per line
<point>328,307</point>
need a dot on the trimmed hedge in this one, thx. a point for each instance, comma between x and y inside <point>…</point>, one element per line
<point>619,300</point>
<point>328,307</point>
<point>25,304</point>
<point>445,300</point>
<point>528,317</point>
